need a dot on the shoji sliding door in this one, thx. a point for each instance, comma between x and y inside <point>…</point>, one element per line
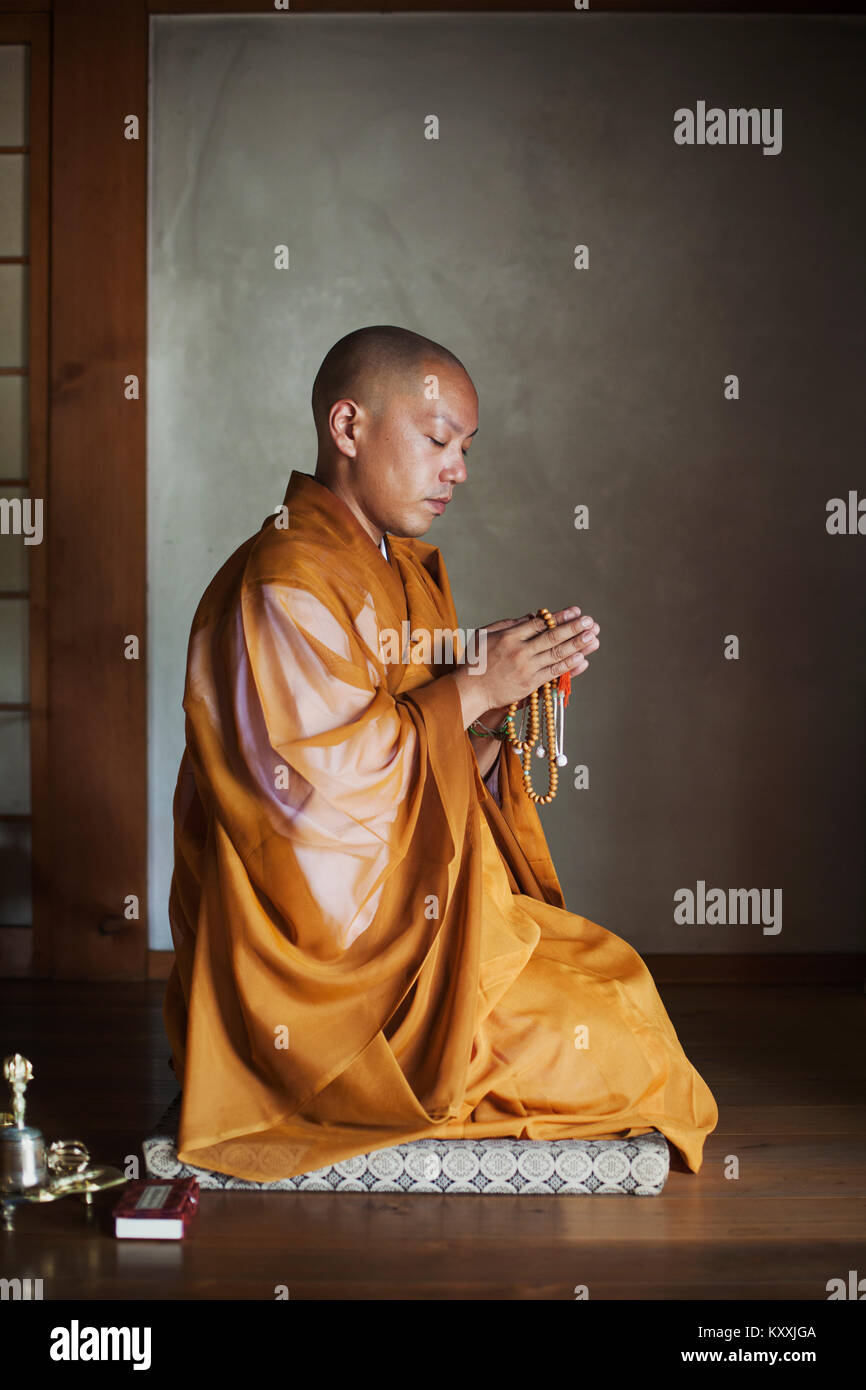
<point>23,441</point>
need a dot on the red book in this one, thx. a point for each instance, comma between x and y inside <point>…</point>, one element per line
<point>156,1209</point>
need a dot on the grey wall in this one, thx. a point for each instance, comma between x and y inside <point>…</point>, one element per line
<point>602,387</point>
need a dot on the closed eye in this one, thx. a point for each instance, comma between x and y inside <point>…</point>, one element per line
<point>442,443</point>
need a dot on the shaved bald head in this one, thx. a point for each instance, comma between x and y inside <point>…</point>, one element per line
<point>392,443</point>
<point>373,364</point>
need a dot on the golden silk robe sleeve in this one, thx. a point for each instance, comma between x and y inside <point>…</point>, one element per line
<point>519,834</point>
<point>516,823</point>
<point>318,817</point>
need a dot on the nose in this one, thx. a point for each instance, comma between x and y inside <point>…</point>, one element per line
<point>455,469</point>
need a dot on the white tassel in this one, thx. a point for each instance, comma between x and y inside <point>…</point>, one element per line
<point>561,759</point>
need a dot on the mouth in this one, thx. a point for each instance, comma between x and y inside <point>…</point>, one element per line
<point>438,503</point>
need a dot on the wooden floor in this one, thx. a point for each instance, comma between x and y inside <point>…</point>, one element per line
<point>786,1064</point>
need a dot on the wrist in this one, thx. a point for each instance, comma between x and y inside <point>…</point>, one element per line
<point>473,697</point>
<point>490,725</point>
<point>495,715</point>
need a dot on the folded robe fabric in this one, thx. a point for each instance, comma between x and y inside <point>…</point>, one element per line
<point>369,949</point>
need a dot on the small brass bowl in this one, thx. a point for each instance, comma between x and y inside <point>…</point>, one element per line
<point>67,1156</point>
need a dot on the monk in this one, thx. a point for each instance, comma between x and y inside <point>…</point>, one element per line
<point>372,945</point>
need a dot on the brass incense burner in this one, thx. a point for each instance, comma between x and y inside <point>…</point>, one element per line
<point>30,1174</point>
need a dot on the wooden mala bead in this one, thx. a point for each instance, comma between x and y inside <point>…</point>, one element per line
<point>551,691</point>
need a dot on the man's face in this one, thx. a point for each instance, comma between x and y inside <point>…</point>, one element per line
<point>414,451</point>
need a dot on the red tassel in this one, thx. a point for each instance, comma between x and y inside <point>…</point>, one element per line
<point>564,686</point>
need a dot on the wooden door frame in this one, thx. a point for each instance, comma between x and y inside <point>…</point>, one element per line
<point>88,775</point>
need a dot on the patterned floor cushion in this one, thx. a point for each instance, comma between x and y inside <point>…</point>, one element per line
<point>636,1167</point>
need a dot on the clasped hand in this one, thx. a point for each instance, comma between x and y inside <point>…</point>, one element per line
<point>523,653</point>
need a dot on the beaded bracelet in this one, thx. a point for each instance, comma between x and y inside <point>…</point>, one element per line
<point>476,727</point>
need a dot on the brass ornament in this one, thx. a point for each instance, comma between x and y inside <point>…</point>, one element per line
<point>27,1174</point>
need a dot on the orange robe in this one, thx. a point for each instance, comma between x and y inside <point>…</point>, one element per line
<point>368,949</point>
